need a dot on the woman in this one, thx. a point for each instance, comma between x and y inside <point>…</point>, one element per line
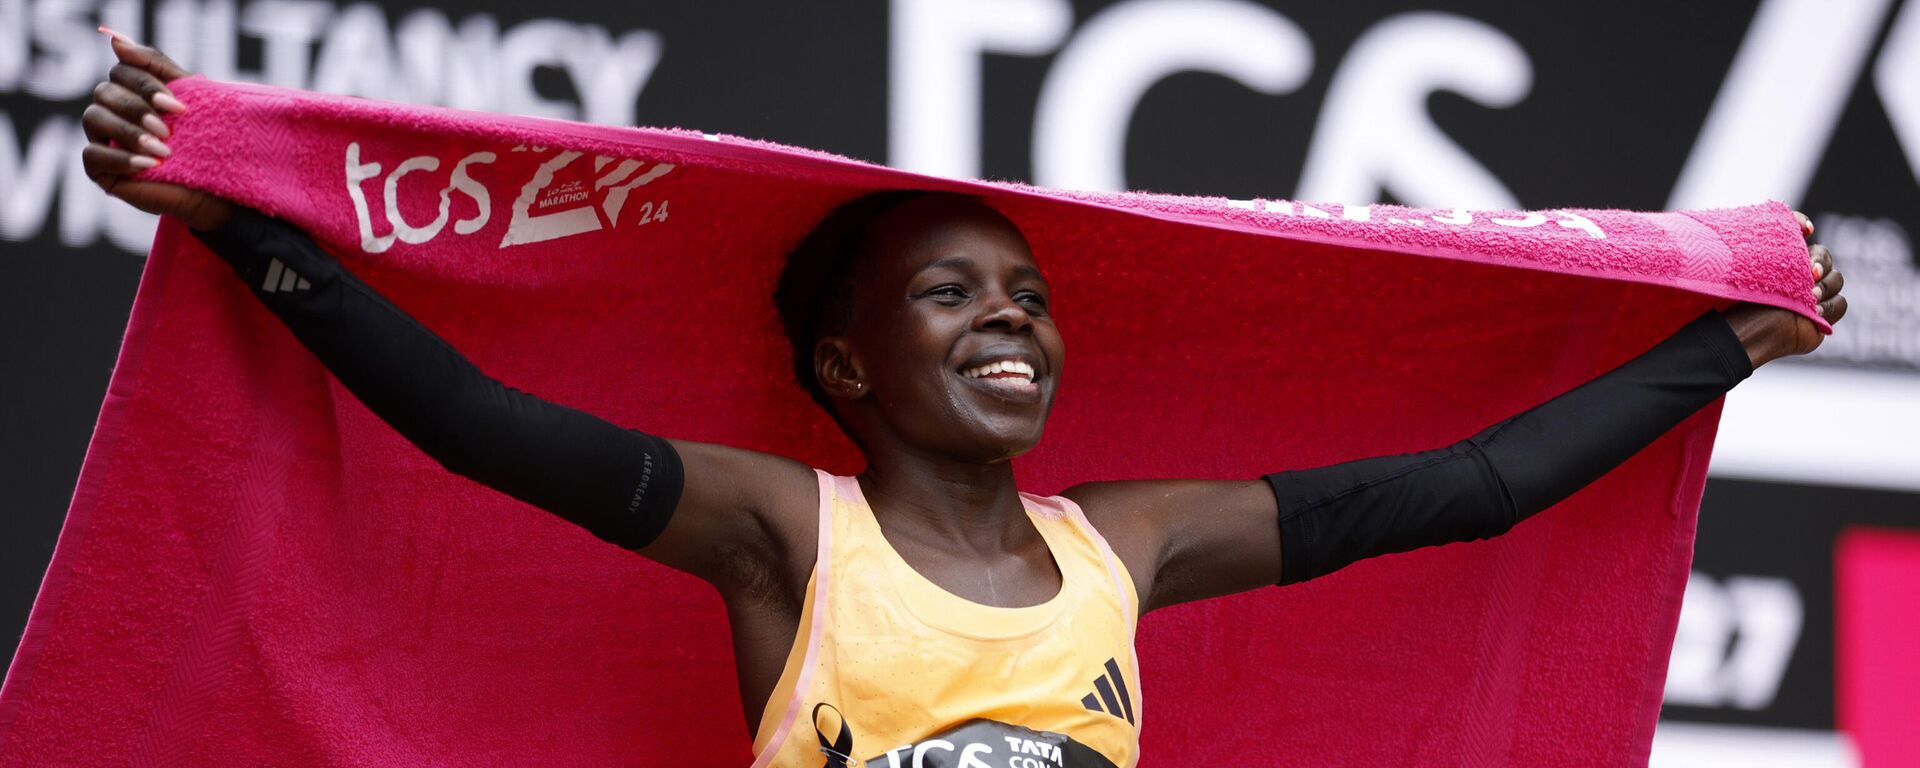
<point>920,322</point>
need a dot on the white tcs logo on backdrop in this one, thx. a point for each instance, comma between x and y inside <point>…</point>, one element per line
<point>550,204</point>
<point>1374,131</point>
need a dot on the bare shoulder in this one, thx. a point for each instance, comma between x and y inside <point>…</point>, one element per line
<point>1150,508</point>
<point>764,483</point>
<point>1121,510</point>
<point>1149,503</point>
<point>741,508</point>
<point>1186,539</point>
<point>1111,503</point>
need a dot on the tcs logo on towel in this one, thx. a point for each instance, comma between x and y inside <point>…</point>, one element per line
<point>563,193</point>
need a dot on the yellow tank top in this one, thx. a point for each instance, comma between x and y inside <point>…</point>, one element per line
<point>898,672</point>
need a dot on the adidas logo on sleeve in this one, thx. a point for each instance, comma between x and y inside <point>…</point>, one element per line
<point>282,279</point>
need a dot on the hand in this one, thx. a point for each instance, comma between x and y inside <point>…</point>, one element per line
<point>1770,333</point>
<point>126,135</point>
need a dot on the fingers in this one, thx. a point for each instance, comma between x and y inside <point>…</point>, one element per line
<point>104,129</point>
<point>124,129</point>
<point>1833,309</point>
<point>123,114</point>
<point>146,90</point>
<point>1833,305</point>
<point>149,59</point>
<point>1806,224</point>
<point>101,161</point>
<point>117,114</point>
<point>107,166</point>
<point>1829,286</point>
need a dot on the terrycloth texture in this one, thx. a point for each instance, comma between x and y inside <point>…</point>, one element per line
<point>256,571</point>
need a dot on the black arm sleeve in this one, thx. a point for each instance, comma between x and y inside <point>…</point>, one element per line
<point>1484,485</point>
<point>619,484</point>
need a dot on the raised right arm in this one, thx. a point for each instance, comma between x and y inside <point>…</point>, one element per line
<point>729,516</point>
<point>622,485</point>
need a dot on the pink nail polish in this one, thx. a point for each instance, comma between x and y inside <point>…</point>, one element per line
<point>109,32</point>
<point>155,125</point>
<point>165,102</point>
<point>142,162</point>
<point>154,146</point>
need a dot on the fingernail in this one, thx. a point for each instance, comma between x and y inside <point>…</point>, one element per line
<point>167,103</point>
<point>143,162</point>
<point>154,146</point>
<point>1818,292</point>
<point>155,125</point>
<point>109,32</point>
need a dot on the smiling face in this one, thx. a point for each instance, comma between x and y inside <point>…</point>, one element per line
<point>951,348</point>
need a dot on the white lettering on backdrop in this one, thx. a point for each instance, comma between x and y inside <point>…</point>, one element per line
<point>49,49</point>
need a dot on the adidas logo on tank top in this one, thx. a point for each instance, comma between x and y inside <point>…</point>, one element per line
<point>1110,690</point>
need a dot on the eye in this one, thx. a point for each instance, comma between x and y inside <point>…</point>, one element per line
<point>948,294</point>
<point>1031,298</point>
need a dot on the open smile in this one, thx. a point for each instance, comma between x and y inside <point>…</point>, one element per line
<point>1008,379</point>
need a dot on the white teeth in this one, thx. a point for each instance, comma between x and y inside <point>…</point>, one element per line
<point>1002,366</point>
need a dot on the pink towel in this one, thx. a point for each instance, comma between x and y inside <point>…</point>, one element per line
<point>256,571</point>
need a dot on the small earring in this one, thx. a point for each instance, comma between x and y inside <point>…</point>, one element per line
<point>859,385</point>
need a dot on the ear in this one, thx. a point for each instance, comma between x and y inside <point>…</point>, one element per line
<point>838,371</point>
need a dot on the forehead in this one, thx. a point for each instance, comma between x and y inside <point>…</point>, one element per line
<point>945,231</point>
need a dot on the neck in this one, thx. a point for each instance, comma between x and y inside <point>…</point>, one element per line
<point>972,504</point>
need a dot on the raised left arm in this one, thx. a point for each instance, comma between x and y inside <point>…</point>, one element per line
<point>1187,540</point>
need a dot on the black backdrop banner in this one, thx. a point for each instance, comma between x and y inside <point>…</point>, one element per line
<point>1471,103</point>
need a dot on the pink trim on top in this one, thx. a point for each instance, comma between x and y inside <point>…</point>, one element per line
<point>797,700</point>
<point>1128,599</point>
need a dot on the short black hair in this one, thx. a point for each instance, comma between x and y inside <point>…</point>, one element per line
<point>815,294</point>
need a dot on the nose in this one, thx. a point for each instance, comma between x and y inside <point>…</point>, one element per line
<point>1005,315</point>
